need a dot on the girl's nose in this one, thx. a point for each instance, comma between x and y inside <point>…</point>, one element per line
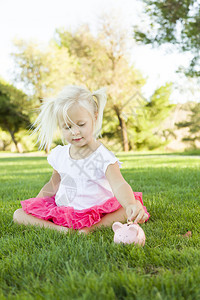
<point>75,130</point>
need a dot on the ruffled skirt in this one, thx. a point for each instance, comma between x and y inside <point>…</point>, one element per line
<point>46,209</point>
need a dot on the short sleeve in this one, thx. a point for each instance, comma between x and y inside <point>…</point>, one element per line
<point>52,158</point>
<point>108,159</point>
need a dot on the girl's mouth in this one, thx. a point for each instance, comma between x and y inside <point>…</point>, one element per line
<point>76,140</point>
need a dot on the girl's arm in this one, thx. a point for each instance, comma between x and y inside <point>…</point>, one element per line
<point>124,194</point>
<point>51,187</point>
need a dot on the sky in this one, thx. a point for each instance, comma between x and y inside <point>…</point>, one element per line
<point>38,19</point>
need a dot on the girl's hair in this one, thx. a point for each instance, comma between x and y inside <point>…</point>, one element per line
<point>53,109</point>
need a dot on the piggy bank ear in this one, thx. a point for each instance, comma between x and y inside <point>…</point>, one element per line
<point>116,226</point>
<point>133,228</point>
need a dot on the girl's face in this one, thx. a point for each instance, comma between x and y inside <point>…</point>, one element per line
<point>79,132</point>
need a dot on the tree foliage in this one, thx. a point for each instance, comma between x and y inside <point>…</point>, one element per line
<point>81,58</point>
<point>14,114</point>
<point>101,62</point>
<point>41,70</point>
<point>176,22</point>
<point>147,117</point>
<point>193,123</point>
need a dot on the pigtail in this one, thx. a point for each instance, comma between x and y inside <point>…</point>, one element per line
<point>46,124</point>
<point>101,99</point>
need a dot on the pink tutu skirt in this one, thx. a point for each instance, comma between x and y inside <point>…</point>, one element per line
<point>46,208</point>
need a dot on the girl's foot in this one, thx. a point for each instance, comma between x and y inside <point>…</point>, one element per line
<point>85,230</point>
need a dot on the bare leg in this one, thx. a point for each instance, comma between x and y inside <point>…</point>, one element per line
<point>21,217</point>
<point>116,216</point>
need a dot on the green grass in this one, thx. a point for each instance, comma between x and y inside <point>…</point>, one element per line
<point>38,263</point>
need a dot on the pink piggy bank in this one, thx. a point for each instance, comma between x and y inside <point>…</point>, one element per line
<point>128,233</point>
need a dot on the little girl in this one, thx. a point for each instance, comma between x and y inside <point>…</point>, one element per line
<point>86,189</point>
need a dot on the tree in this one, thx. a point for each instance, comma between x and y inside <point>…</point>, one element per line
<point>102,62</point>
<point>13,110</point>
<point>128,117</point>
<point>194,125</point>
<point>93,61</point>
<point>147,117</point>
<point>176,22</point>
<point>42,70</point>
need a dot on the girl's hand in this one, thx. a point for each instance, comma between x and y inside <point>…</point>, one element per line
<point>136,212</point>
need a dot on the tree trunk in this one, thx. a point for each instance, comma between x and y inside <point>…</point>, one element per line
<point>124,134</point>
<point>14,141</point>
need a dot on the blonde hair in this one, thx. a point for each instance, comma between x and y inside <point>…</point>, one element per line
<point>53,108</point>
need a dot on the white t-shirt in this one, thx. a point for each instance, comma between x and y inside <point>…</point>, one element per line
<point>83,181</point>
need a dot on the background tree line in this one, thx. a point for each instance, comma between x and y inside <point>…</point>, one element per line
<point>79,57</point>
<point>177,23</point>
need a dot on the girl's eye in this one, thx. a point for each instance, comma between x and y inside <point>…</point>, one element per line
<point>65,127</point>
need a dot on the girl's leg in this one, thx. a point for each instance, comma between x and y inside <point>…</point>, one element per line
<point>21,217</point>
<point>116,216</point>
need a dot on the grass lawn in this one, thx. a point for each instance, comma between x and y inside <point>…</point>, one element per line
<point>38,263</point>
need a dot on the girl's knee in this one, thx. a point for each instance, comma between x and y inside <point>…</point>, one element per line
<point>18,215</point>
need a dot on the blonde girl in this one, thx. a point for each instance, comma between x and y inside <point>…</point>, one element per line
<point>86,189</point>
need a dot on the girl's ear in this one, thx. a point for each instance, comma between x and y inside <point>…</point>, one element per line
<point>96,116</point>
